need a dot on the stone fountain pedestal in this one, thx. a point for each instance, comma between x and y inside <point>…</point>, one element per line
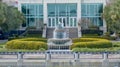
<point>60,40</point>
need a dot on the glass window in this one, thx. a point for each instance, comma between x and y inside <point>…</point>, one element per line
<point>73,9</point>
<point>75,22</point>
<point>93,12</point>
<point>67,21</point>
<point>62,9</point>
<point>64,22</point>
<point>24,9</point>
<point>53,22</point>
<point>31,12</point>
<point>71,22</point>
<point>57,21</point>
<point>51,10</point>
<point>49,24</point>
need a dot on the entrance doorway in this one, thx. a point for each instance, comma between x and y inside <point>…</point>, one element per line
<point>66,21</point>
<point>51,22</point>
<point>63,20</point>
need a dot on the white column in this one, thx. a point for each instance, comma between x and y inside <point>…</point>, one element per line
<point>105,62</point>
<point>45,12</point>
<point>19,56</point>
<point>76,56</point>
<point>79,17</point>
<point>45,18</point>
<point>104,22</point>
<point>104,26</point>
<point>105,56</point>
<point>48,56</point>
<point>44,31</point>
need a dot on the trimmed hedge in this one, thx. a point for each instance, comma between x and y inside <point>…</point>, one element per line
<point>27,43</point>
<point>34,39</point>
<point>112,49</point>
<point>91,43</point>
<point>92,31</point>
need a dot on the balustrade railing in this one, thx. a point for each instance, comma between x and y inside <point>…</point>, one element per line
<point>74,55</point>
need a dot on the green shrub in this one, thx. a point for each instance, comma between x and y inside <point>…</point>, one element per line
<point>13,38</point>
<point>34,35</point>
<point>34,39</point>
<point>27,43</point>
<point>30,28</point>
<point>112,49</point>
<point>109,37</point>
<point>116,44</point>
<point>1,46</point>
<point>91,43</point>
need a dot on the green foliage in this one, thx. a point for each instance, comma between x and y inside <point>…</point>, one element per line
<point>34,35</point>
<point>34,39</point>
<point>91,36</point>
<point>27,43</point>
<point>91,43</point>
<point>31,28</point>
<point>112,49</point>
<point>92,31</point>
<point>116,44</point>
<point>1,46</point>
<point>10,17</point>
<point>112,16</point>
<point>107,36</point>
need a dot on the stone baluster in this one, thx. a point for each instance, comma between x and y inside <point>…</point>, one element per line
<point>105,62</point>
<point>20,59</point>
<point>48,56</point>
<point>20,56</point>
<point>76,56</point>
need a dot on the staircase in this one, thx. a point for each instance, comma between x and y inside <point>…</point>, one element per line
<point>49,32</point>
<point>73,32</point>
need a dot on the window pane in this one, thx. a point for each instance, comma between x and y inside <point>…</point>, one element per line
<point>75,22</point>
<point>31,12</point>
<point>93,12</point>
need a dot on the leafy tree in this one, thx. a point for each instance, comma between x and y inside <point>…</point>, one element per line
<point>112,16</point>
<point>10,17</point>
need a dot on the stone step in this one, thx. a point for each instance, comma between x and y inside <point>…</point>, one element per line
<point>73,32</point>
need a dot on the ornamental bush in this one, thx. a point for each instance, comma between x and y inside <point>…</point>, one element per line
<point>27,43</point>
<point>91,43</point>
<point>34,39</point>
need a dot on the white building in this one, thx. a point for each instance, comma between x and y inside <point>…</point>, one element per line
<point>10,2</point>
<point>46,14</point>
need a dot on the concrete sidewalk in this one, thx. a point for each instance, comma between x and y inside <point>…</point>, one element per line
<point>3,41</point>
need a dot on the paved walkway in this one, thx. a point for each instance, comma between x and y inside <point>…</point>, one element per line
<point>3,41</point>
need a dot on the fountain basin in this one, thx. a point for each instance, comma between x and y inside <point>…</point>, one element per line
<point>60,40</point>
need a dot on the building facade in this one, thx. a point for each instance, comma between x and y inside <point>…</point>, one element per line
<point>46,14</point>
<point>10,2</point>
